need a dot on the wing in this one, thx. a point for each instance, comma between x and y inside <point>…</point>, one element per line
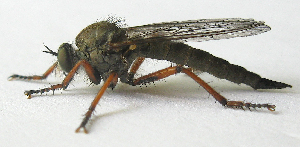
<point>196,30</point>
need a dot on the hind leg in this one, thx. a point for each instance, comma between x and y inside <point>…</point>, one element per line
<point>221,99</point>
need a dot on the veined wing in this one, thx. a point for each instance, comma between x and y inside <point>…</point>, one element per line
<point>196,30</point>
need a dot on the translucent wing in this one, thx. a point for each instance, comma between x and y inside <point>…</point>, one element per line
<point>196,30</point>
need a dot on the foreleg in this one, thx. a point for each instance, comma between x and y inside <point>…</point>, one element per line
<point>88,68</point>
<point>35,77</point>
<point>89,113</point>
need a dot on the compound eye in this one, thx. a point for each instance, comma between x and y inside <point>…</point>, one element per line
<point>66,57</point>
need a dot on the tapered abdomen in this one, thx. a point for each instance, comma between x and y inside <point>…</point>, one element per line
<point>183,54</point>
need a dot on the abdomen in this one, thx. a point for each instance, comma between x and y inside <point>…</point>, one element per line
<point>197,59</point>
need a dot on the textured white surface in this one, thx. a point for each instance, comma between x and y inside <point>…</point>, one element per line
<point>173,113</point>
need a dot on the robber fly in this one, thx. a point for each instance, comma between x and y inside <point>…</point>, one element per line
<point>110,52</point>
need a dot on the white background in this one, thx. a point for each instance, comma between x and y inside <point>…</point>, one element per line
<point>174,112</point>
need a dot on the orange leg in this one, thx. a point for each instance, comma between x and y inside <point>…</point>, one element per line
<point>35,77</point>
<point>88,114</point>
<point>134,67</point>
<point>88,68</point>
<point>222,100</point>
<point>136,64</point>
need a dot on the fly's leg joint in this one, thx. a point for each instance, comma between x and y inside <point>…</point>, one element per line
<point>178,69</point>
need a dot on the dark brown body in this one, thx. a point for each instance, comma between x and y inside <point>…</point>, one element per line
<point>197,59</point>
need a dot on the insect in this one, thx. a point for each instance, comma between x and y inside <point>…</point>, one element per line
<point>110,53</point>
